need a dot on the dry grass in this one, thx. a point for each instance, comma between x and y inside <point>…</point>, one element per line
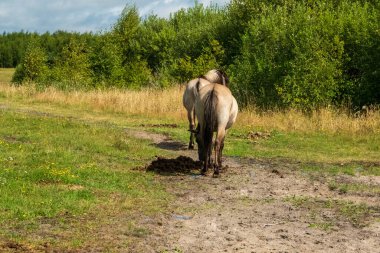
<point>325,120</point>
<point>148,102</point>
<point>6,75</point>
<point>168,104</point>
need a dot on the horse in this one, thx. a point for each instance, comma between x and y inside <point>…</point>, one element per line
<point>216,110</point>
<point>188,100</point>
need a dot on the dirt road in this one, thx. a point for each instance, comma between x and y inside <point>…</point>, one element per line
<point>258,206</point>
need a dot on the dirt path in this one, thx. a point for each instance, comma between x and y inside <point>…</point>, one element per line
<point>257,206</point>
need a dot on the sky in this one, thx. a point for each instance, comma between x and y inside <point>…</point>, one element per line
<point>80,15</point>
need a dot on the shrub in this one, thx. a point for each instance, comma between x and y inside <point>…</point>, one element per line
<point>33,67</point>
<point>73,70</point>
<point>297,54</point>
<point>106,63</point>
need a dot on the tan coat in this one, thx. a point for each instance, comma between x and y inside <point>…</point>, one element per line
<point>216,110</point>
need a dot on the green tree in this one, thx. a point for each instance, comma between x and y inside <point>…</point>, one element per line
<point>34,65</point>
<point>106,62</point>
<point>73,70</point>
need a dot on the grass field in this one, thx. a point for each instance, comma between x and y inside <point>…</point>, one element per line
<point>66,159</point>
<point>55,168</point>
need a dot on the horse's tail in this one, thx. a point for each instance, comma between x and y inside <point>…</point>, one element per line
<point>209,121</point>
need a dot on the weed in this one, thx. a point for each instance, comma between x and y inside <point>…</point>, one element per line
<point>326,226</point>
<point>359,188</point>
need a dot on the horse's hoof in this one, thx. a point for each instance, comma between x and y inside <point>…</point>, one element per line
<point>216,170</point>
<point>203,172</point>
<point>191,147</point>
<point>216,174</point>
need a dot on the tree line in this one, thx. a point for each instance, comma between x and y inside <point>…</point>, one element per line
<point>278,53</point>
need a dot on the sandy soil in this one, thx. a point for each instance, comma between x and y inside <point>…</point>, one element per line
<point>249,209</point>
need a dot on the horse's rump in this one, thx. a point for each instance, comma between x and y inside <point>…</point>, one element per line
<point>216,110</point>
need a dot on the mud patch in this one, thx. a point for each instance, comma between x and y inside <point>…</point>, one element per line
<point>14,247</point>
<point>14,139</point>
<point>258,135</point>
<point>179,165</point>
<point>171,145</point>
<point>275,171</point>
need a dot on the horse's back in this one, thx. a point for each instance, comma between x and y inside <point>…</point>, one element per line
<point>227,107</point>
<point>188,96</point>
<point>191,92</point>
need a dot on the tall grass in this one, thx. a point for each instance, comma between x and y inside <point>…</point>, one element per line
<point>168,104</point>
<point>6,75</point>
<point>329,120</point>
<point>148,102</point>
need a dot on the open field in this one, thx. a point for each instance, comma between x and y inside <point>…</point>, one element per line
<point>74,177</point>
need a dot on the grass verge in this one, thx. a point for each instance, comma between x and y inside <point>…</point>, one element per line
<point>358,215</point>
<point>55,168</point>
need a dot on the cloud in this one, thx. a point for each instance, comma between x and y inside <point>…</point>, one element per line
<point>79,15</point>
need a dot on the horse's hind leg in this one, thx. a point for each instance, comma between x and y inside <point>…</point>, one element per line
<point>207,157</point>
<point>191,118</point>
<point>219,145</point>
<point>191,142</point>
<point>220,153</point>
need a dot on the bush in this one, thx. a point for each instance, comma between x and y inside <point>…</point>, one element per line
<point>137,75</point>
<point>33,67</point>
<point>19,75</point>
<point>73,70</point>
<point>106,63</point>
<point>360,30</point>
<point>187,68</point>
<point>296,54</point>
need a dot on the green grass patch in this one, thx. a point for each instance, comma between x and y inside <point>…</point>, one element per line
<point>330,169</point>
<point>54,166</point>
<point>304,147</point>
<point>371,171</point>
<point>311,147</point>
<point>326,226</point>
<point>343,169</point>
<point>358,188</point>
<point>357,214</point>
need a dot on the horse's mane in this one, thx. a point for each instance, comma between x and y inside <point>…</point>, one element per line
<point>222,75</point>
<point>217,76</point>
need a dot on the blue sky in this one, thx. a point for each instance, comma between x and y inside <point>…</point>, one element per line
<point>79,15</point>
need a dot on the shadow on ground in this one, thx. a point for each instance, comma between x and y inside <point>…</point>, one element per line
<point>171,145</point>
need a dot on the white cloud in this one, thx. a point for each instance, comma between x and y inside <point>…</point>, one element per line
<point>79,15</point>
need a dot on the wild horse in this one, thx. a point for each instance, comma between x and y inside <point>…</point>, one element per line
<point>190,94</point>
